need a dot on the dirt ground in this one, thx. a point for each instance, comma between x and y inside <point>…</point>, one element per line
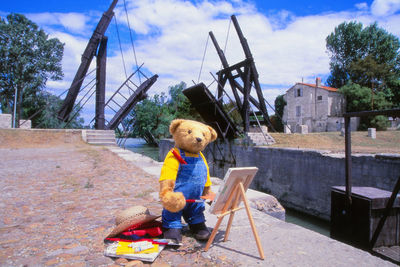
<point>58,199</point>
<point>385,142</point>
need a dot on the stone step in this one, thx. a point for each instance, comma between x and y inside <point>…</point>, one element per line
<point>100,143</point>
<point>259,139</point>
<point>99,131</point>
<point>99,137</point>
<point>101,134</point>
<point>262,140</point>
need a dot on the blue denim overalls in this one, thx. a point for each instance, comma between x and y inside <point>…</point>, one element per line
<point>190,180</point>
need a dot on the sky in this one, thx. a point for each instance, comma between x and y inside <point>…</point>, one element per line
<point>170,37</point>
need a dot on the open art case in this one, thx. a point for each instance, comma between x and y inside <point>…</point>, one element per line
<point>111,251</point>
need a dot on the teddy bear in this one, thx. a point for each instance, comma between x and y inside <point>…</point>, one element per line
<point>185,179</point>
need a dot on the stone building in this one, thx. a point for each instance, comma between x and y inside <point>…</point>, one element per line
<point>313,108</point>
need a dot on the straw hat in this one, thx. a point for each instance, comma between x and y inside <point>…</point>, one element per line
<point>131,216</point>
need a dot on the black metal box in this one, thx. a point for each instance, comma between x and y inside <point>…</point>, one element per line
<point>358,227</point>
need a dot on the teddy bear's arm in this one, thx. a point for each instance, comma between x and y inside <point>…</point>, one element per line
<point>171,201</point>
<point>206,190</point>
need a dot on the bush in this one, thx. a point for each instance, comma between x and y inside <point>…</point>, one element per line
<point>379,122</point>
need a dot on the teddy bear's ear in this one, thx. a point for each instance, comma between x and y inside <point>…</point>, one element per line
<point>214,134</point>
<point>174,125</point>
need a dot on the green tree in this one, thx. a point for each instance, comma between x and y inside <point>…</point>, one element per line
<point>359,98</point>
<point>28,58</point>
<point>350,45</point>
<point>365,66</point>
<point>152,116</point>
<point>47,109</point>
<point>366,56</point>
<point>344,47</point>
<point>280,104</point>
<point>43,108</point>
<point>179,105</point>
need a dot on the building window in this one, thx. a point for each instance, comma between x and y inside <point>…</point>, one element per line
<point>298,111</point>
<point>319,97</point>
<point>298,92</point>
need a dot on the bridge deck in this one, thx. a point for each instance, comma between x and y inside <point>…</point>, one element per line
<point>211,110</point>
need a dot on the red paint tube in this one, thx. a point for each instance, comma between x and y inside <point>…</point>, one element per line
<point>194,200</point>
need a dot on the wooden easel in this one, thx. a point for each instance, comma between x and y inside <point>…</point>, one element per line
<point>236,194</point>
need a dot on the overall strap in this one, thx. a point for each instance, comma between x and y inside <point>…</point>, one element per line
<point>177,156</point>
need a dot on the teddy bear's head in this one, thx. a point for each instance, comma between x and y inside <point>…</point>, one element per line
<point>191,136</point>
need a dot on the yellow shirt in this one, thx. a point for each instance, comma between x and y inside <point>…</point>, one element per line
<point>170,168</point>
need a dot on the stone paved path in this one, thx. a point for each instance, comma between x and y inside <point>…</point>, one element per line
<point>58,203</point>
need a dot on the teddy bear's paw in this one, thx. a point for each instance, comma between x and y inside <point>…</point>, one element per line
<point>173,201</point>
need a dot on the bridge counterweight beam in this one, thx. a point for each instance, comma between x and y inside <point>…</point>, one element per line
<point>101,84</point>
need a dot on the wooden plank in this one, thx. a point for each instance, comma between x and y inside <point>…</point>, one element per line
<point>379,197</point>
<point>389,253</point>
<point>211,110</point>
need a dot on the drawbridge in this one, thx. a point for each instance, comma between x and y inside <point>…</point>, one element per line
<point>211,110</point>
<point>123,99</point>
<point>242,77</point>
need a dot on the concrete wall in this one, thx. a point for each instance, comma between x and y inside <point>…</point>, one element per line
<point>25,124</point>
<point>5,121</point>
<point>300,179</point>
<point>336,104</point>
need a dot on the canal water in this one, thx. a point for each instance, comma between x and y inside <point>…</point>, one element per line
<point>138,145</point>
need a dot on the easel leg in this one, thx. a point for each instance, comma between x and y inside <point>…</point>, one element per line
<point>228,227</point>
<point>253,227</point>
<point>213,233</point>
<point>215,230</point>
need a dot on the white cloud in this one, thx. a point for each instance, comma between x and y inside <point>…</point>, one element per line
<point>362,6</point>
<point>171,37</point>
<point>385,7</point>
<point>72,22</point>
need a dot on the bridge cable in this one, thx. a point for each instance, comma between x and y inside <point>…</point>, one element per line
<point>204,55</point>
<point>133,46</point>
<point>227,35</point>
<point>120,47</point>
<point>81,107</point>
<point>225,45</point>
<point>58,96</point>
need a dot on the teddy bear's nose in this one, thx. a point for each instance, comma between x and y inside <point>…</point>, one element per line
<point>198,139</point>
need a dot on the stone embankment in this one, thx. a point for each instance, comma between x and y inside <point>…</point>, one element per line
<point>301,179</point>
